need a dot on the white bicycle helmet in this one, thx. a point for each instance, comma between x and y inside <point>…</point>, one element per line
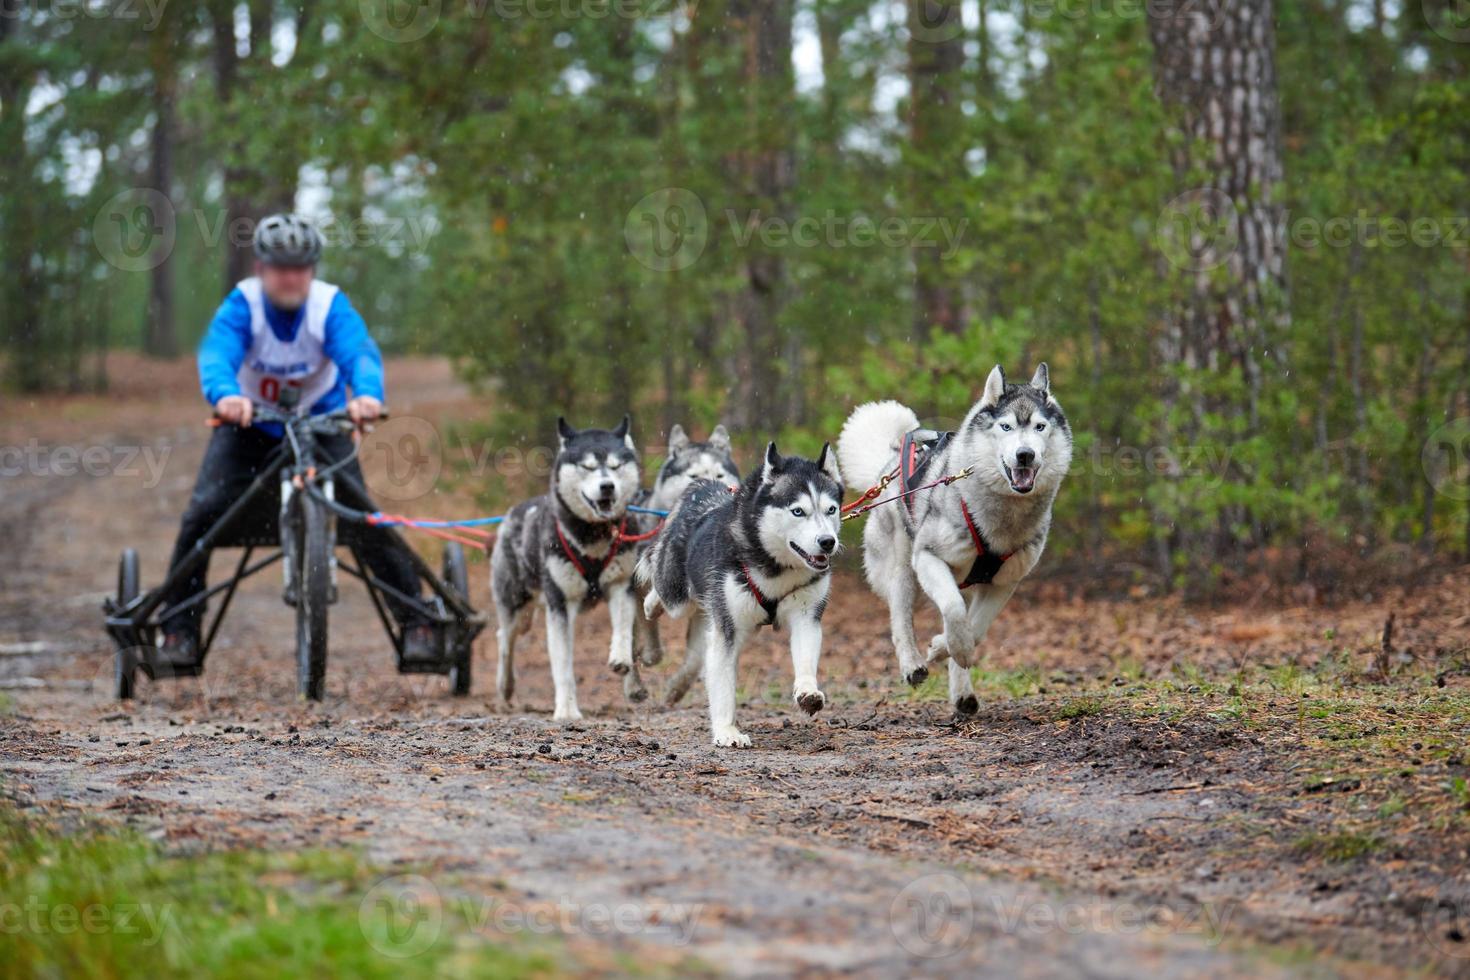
<point>286,239</point>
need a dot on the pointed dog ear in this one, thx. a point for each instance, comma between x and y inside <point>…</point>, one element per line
<point>827,463</point>
<point>772,463</point>
<point>995,387</point>
<point>720,438</point>
<point>1041,380</point>
<point>564,432</point>
<point>678,439</point>
<point>623,426</point>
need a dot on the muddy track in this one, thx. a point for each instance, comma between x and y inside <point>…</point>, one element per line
<point>880,837</point>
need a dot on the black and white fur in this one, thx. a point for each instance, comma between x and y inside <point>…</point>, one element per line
<point>781,527</point>
<point>1017,439</point>
<point>596,475</point>
<point>688,460</point>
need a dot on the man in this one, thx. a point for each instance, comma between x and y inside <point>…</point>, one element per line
<point>283,328</point>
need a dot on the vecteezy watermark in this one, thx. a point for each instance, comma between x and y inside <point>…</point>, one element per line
<point>1446,459</point>
<point>1450,19</point>
<point>35,459</point>
<point>1200,230</point>
<point>937,915</point>
<point>148,13</point>
<point>402,457</point>
<point>406,914</point>
<point>1445,922</point>
<point>669,230</point>
<point>34,917</point>
<point>137,230</point>
<point>1209,463</point>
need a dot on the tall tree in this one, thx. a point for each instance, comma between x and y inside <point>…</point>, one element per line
<point>936,55</point>
<point>1215,67</point>
<point>160,337</point>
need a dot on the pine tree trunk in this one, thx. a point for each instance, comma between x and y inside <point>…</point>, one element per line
<point>162,339</point>
<point>936,120</point>
<point>763,29</point>
<point>1215,67</point>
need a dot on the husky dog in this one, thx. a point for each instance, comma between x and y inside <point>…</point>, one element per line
<point>983,533</point>
<point>687,462</point>
<point>760,556</point>
<point>567,547</point>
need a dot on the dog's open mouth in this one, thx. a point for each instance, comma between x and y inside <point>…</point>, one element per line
<point>605,506</point>
<point>817,563</point>
<point>1022,478</point>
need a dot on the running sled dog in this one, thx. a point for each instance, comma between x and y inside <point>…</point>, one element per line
<point>688,461</point>
<point>978,536</point>
<point>567,547</point>
<point>760,556</point>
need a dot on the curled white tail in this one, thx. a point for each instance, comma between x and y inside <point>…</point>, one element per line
<point>870,439</point>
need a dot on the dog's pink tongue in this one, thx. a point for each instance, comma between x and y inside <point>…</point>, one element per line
<point>1023,478</point>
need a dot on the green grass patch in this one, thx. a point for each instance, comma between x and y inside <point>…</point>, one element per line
<point>103,903</point>
<point>1083,707</point>
<point>1341,846</point>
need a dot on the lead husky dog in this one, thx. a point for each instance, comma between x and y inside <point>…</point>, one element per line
<point>688,460</point>
<point>983,533</point>
<point>566,546</point>
<point>761,556</point>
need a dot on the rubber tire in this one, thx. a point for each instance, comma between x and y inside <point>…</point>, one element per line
<point>457,577</point>
<point>125,660</point>
<point>313,590</point>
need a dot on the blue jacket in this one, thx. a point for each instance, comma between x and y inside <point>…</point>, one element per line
<point>227,343</point>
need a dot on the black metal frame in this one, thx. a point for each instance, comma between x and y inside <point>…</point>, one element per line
<point>134,626</point>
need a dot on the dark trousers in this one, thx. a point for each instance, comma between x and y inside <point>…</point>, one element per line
<point>233,460</point>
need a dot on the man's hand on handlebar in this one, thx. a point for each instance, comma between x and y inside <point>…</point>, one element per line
<point>236,409</point>
<point>364,408</point>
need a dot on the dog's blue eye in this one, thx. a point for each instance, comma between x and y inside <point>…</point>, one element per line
<point>797,512</point>
<point>1004,427</point>
<point>831,510</point>
<point>1040,426</point>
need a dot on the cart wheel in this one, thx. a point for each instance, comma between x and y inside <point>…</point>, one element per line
<point>125,660</point>
<point>457,577</point>
<point>314,584</point>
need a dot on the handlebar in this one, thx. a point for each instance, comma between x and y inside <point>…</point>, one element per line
<point>337,420</point>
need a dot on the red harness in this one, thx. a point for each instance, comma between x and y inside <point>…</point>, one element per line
<point>987,563</point>
<point>591,569</point>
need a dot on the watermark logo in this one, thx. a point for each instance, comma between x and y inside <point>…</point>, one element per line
<point>135,230</point>
<point>402,457</point>
<point>667,230</point>
<point>1198,230</point>
<point>932,916</point>
<point>1446,459</point>
<point>401,21</point>
<point>932,21</point>
<point>402,916</point>
<point>34,917</point>
<point>1450,19</point>
<point>35,458</point>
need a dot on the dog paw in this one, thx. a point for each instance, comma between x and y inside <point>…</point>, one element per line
<point>507,693</point>
<point>651,655</point>
<point>917,676</point>
<point>730,737</point>
<point>966,705</point>
<point>567,714</point>
<point>619,666</point>
<point>938,650</point>
<point>637,696</point>
<point>811,702</point>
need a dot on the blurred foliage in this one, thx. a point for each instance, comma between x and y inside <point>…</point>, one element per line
<point>515,143</point>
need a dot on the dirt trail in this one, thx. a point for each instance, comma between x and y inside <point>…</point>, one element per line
<point>879,838</point>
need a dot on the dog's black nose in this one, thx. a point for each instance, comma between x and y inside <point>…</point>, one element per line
<point>1025,457</point>
<point>607,488</point>
<point>826,543</point>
